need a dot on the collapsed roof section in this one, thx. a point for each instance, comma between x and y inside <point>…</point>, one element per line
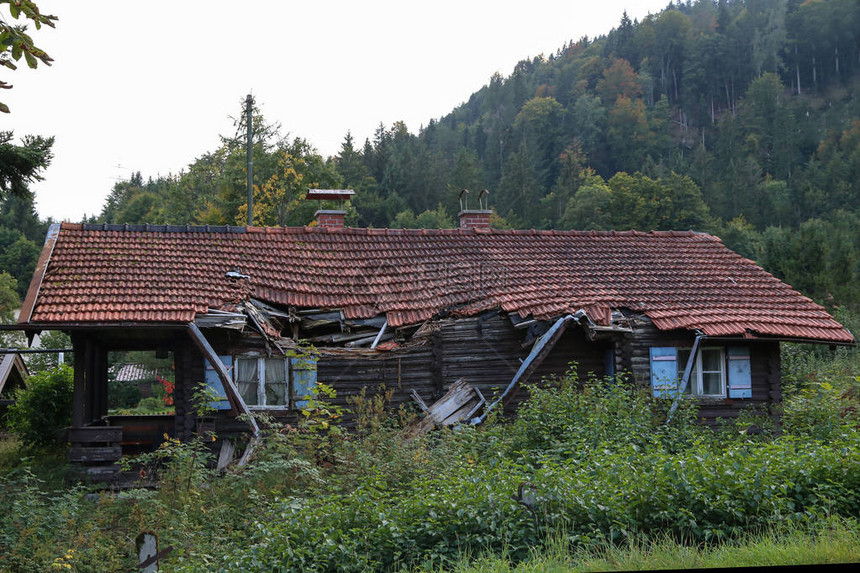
<point>146,274</point>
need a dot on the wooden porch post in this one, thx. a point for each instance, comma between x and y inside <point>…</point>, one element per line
<point>89,397</point>
<point>79,396</point>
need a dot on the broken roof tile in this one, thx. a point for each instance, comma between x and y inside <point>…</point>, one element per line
<point>160,273</point>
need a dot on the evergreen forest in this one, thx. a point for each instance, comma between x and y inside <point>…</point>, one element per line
<point>737,118</point>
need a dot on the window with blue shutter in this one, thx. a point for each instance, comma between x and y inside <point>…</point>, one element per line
<point>213,381</point>
<point>304,371</point>
<point>265,383</point>
<point>740,373</point>
<point>664,371</point>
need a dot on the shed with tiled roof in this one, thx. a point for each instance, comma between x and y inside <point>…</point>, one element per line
<point>417,309</point>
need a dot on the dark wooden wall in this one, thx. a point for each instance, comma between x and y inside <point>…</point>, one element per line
<point>486,351</point>
<point>189,372</point>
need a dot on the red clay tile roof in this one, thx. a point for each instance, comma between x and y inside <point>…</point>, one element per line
<point>111,274</point>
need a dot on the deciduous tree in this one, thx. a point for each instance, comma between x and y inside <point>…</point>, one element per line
<point>15,43</point>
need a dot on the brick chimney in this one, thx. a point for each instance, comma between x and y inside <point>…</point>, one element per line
<point>331,218</point>
<point>475,219</point>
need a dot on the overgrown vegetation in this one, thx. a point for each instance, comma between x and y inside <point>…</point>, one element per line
<point>43,407</point>
<point>588,475</point>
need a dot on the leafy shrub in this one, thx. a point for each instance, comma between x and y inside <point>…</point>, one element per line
<point>151,404</point>
<point>595,463</point>
<point>610,495</point>
<point>818,411</point>
<point>123,394</point>
<point>43,408</point>
<point>585,466</point>
<point>569,419</point>
<point>40,528</point>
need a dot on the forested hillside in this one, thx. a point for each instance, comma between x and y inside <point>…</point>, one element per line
<point>739,118</point>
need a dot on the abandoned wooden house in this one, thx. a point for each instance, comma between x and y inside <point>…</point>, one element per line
<point>415,310</point>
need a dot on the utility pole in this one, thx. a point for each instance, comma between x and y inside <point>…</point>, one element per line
<point>249,102</point>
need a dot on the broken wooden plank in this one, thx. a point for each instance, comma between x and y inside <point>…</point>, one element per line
<point>95,454</point>
<point>370,340</point>
<point>543,346</point>
<point>457,396</point>
<point>230,387</point>
<point>344,336</point>
<point>221,320</point>
<point>421,403</point>
<point>91,434</point>
<point>225,456</point>
<point>457,404</point>
<point>260,321</point>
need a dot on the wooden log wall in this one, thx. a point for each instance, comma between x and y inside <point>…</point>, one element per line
<point>574,347</point>
<point>189,371</point>
<point>401,372</point>
<point>487,351</point>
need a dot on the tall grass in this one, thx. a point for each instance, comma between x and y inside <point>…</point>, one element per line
<point>831,541</point>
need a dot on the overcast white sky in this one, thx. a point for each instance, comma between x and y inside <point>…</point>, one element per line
<point>149,85</point>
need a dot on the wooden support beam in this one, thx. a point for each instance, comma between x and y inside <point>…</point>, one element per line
<point>230,388</point>
<point>543,346</point>
<point>79,393</point>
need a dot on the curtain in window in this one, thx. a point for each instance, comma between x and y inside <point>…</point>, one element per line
<point>276,382</point>
<point>247,379</point>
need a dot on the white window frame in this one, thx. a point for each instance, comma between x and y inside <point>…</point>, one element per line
<point>261,381</point>
<point>696,376</point>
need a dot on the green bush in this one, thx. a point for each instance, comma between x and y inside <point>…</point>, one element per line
<point>123,394</point>
<point>43,408</point>
<point>151,404</point>
<point>568,419</point>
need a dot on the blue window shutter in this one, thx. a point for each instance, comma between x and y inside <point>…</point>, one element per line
<point>304,379</point>
<point>214,382</point>
<point>739,373</point>
<point>664,371</point>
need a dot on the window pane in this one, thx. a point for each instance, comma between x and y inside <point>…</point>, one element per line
<point>711,360</point>
<point>683,357</point>
<point>276,394</point>
<point>276,382</point>
<point>246,370</point>
<point>711,383</point>
<point>248,391</point>
<point>247,379</point>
